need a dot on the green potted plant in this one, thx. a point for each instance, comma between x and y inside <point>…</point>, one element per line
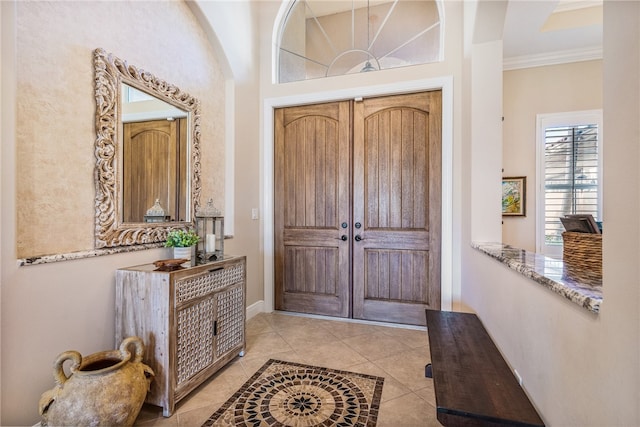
<point>181,239</point>
<point>182,242</point>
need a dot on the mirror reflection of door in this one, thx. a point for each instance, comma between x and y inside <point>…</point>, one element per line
<point>154,167</point>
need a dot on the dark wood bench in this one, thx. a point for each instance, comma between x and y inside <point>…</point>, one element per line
<point>473,384</point>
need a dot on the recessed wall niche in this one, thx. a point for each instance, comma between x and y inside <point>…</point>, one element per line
<point>55,133</point>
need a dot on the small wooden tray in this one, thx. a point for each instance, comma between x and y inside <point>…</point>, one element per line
<point>169,264</point>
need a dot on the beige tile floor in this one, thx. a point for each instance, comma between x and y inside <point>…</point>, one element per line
<point>395,353</point>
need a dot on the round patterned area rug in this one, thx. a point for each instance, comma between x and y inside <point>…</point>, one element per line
<point>293,394</point>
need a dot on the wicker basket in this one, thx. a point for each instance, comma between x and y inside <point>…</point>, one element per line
<point>583,251</point>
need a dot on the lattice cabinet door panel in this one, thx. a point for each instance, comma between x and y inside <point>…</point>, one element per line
<point>194,340</point>
<point>229,318</point>
<point>192,322</point>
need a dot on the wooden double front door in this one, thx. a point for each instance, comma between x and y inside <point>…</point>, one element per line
<point>357,208</point>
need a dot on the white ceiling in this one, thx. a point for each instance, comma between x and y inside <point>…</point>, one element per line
<point>578,28</point>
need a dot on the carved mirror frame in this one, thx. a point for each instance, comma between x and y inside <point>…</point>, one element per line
<point>110,72</point>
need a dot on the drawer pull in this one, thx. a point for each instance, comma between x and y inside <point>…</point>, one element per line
<point>216,269</point>
<point>215,328</point>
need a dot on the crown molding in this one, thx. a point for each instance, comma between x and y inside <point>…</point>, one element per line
<point>552,58</point>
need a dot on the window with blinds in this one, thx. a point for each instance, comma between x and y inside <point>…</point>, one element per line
<point>571,176</point>
<point>569,173</point>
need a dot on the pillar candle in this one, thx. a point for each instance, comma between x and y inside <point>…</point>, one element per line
<point>211,243</point>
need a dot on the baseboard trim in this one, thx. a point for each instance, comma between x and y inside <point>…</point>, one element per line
<point>255,309</point>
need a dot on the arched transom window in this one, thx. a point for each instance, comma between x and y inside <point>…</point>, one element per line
<point>321,38</point>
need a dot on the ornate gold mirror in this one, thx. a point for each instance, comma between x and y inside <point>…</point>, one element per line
<point>147,155</point>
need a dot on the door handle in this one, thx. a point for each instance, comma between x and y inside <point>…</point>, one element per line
<point>343,238</point>
<point>358,238</point>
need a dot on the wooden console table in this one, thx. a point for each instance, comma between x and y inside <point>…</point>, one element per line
<point>191,320</point>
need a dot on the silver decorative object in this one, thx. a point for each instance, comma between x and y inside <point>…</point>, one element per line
<point>155,213</point>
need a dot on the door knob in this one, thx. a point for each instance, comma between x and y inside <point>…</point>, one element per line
<point>344,237</point>
<point>358,238</point>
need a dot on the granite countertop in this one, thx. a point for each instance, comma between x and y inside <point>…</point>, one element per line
<point>577,285</point>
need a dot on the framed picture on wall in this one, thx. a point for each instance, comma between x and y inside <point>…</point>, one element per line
<point>514,198</point>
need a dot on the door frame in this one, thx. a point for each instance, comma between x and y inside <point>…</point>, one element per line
<point>445,84</point>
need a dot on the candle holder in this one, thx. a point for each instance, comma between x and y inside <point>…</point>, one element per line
<point>210,228</point>
<point>155,213</point>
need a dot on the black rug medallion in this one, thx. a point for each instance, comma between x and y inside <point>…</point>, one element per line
<point>293,394</point>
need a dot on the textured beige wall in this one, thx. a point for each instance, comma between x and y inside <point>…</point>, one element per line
<point>47,171</point>
<point>56,106</point>
<point>539,90</point>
